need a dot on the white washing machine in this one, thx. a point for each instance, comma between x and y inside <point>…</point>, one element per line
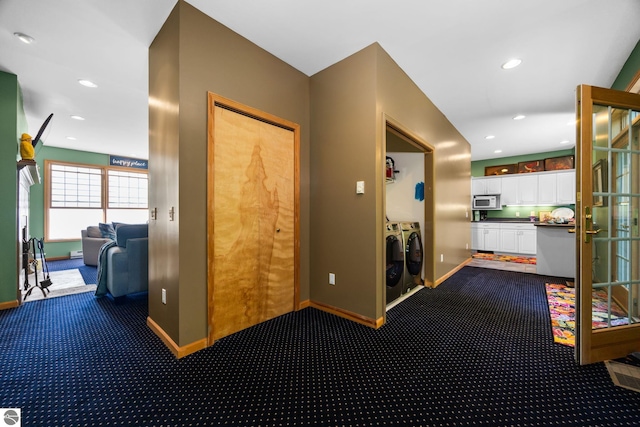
<point>413,255</point>
<point>395,261</point>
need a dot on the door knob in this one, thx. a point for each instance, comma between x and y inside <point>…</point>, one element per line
<point>277,230</point>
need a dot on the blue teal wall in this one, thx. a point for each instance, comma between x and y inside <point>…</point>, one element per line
<point>629,70</point>
<point>12,124</point>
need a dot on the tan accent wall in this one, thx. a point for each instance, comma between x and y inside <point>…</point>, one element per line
<point>350,101</point>
<point>342,109</point>
<point>399,98</point>
<point>191,55</point>
<point>343,224</point>
<point>164,136</point>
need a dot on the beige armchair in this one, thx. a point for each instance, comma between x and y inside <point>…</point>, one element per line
<point>92,241</point>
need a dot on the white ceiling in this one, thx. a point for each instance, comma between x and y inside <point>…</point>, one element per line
<point>452,49</point>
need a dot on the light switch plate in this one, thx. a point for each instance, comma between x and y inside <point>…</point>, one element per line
<point>360,187</point>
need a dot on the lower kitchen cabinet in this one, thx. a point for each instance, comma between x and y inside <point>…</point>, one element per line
<point>485,237</point>
<point>504,237</point>
<point>518,238</point>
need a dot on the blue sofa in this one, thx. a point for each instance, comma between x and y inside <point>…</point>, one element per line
<point>125,262</point>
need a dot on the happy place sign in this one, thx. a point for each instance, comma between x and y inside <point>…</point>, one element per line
<point>128,162</point>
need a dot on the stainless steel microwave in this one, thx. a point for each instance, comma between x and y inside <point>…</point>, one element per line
<point>490,202</point>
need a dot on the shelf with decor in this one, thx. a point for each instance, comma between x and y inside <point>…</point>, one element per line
<point>32,170</point>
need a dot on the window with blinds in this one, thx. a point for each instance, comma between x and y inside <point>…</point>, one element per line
<point>80,195</point>
<point>127,190</point>
<point>76,187</point>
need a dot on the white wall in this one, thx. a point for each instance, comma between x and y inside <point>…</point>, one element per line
<point>401,202</point>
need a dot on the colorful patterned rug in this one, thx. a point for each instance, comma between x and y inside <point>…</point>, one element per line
<point>562,309</point>
<point>505,258</point>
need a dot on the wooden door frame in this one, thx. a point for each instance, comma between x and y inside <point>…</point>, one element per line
<point>213,101</point>
<point>428,244</point>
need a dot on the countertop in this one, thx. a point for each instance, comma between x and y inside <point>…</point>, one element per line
<point>544,224</point>
<point>522,221</point>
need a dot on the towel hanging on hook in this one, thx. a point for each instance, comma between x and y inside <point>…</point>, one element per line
<point>419,191</point>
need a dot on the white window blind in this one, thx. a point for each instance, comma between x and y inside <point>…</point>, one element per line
<point>127,190</point>
<point>76,187</point>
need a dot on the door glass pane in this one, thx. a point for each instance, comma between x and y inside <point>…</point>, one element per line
<point>616,198</point>
<point>600,126</point>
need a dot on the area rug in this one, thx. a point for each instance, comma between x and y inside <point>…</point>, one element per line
<point>89,272</point>
<point>64,282</point>
<point>561,301</point>
<point>505,258</point>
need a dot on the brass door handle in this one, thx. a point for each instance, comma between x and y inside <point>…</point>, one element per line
<point>593,231</point>
<point>571,230</point>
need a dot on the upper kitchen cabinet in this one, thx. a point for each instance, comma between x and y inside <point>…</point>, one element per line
<point>566,188</point>
<point>519,190</point>
<point>538,188</point>
<point>557,188</point>
<point>486,185</point>
<point>547,189</point>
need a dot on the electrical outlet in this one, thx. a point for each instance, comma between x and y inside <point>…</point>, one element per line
<point>517,214</point>
<point>332,279</point>
<point>164,296</point>
<point>466,246</point>
<point>441,257</point>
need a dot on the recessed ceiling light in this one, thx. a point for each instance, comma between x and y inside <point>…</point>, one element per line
<point>489,137</point>
<point>498,151</point>
<point>77,117</point>
<point>71,138</point>
<point>87,83</point>
<point>512,63</point>
<point>564,142</point>
<point>519,117</point>
<point>24,38</point>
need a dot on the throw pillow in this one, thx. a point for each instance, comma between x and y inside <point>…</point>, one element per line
<point>94,231</point>
<point>107,231</point>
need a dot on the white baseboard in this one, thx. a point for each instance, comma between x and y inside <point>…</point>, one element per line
<point>75,254</point>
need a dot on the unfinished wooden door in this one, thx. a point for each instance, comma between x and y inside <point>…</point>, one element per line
<point>253,219</point>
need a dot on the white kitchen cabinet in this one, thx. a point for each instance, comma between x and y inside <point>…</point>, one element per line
<point>518,238</point>
<point>515,238</point>
<point>566,187</point>
<point>527,190</point>
<point>509,240</point>
<point>519,190</point>
<point>509,194</point>
<point>547,189</point>
<point>531,189</point>
<point>485,237</point>
<point>557,188</point>
<point>486,185</point>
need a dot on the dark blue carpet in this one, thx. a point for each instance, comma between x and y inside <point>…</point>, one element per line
<point>89,273</point>
<point>65,264</point>
<point>477,350</point>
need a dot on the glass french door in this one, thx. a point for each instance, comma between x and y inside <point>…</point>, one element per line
<point>607,234</point>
